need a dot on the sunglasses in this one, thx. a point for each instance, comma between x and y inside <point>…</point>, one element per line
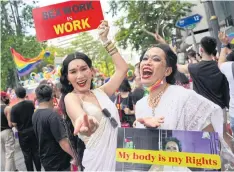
<point>112,120</point>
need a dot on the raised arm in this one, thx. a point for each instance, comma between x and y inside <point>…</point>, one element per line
<point>224,51</point>
<point>183,68</point>
<point>121,67</point>
<point>161,40</point>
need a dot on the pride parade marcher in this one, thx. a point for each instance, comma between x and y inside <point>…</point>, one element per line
<point>21,118</point>
<point>208,80</point>
<point>226,65</point>
<point>7,135</point>
<point>54,148</point>
<point>173,107</point>
<point>124,104</point>
<point>94,116</point>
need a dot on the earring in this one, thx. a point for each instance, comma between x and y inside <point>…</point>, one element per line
<point>69,83</point>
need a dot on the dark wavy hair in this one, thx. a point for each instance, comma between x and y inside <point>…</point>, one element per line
<point>171,60</point>
<point>172,139</point>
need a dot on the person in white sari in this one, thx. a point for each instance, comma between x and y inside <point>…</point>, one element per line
<point>173,107</point>
<point>94,116</point>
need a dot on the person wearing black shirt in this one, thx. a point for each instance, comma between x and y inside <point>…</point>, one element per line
<point>21,118</point>
<point>124,103</point>
<point>7,136</point>
<point>54,148</point>
<point>208,80</point>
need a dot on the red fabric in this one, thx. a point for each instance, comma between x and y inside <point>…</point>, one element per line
<point>3,94</point>
<point>125,125</point>
<point>228,129</point>
<point>187,86</point>
<point>118,105</point>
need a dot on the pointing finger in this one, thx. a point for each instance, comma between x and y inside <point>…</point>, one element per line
<point>78,125</point>
<point>86,122</point>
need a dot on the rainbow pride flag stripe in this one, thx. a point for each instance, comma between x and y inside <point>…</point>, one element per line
<point>26,65</point>
<point>154,86</point>
<point>231,38</point>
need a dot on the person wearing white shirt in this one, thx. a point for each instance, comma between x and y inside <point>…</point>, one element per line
<point>226,65</point>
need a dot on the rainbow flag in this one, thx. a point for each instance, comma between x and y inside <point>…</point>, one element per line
<point>231,38</point>
<point>26,65</point>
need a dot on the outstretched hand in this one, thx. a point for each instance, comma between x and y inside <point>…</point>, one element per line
<point>151,121</point>
<point>85,125</point>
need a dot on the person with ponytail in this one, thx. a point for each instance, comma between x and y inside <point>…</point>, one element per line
<point>93,115</point>
<point>169,106</point>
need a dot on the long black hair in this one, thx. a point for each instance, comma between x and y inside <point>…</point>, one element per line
<point>171,60</point>
<point>67,88</point>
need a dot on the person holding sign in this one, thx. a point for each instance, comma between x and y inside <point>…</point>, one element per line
<point>169,106</point>
<point>94,116</point>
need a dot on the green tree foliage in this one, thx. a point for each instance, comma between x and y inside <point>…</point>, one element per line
<point>94,49</point>
<point>159,16</point>
<point>16,17</point>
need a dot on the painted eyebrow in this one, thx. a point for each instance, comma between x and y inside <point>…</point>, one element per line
<point>152,56</point>
<point>73,69</point>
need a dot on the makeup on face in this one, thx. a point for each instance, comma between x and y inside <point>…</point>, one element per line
<point>79,74</point>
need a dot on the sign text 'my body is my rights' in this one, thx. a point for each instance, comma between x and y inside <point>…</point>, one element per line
<point>183,159</point>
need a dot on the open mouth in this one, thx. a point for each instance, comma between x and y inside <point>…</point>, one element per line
<point>82,83</point>
<point>147,72</point>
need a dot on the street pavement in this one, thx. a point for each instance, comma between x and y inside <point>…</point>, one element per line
<point>19,158</point>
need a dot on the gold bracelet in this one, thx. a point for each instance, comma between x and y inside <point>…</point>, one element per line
<point>110,46</point>
<point>113,52</point>
<point>107,43</point>
<point>112,49</point>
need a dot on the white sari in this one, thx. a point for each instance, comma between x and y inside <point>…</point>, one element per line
<point>184,109</point>
<point>100,151</point>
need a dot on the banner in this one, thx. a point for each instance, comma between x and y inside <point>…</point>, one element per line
<point>66,18</point>
<point>167,150</point>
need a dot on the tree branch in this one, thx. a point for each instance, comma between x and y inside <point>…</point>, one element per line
<point>148,32</point>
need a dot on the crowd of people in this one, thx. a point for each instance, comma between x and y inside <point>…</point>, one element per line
<point>76,124</point>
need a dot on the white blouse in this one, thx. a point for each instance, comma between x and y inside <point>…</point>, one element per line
<point>183,109</point>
